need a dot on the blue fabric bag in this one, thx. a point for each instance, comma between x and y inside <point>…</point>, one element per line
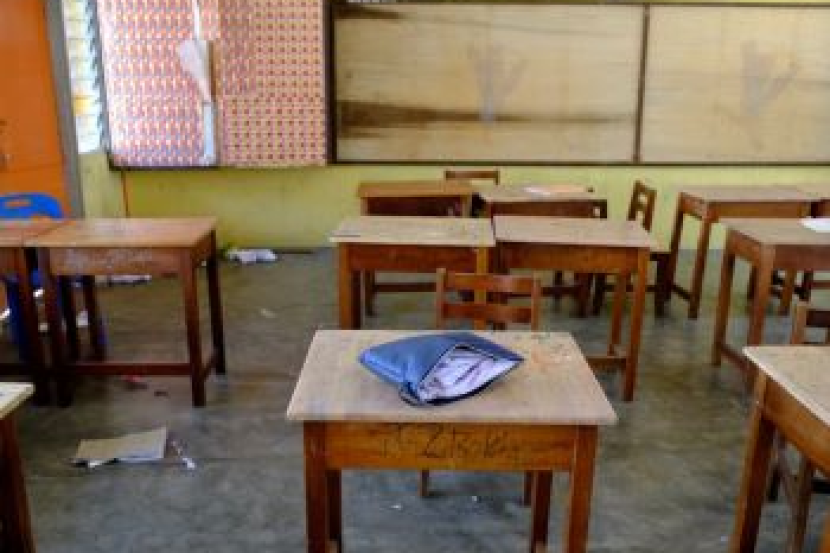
<point>432,369</point>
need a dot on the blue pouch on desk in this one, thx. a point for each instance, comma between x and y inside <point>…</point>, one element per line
<point>432,369</point>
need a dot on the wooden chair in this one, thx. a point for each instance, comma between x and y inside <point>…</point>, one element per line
<point>798,483</point>
<point>489,309</point>
<point>641,208</point>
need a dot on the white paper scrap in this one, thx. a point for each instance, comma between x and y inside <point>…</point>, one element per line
<point>130,448</point>
<point>818,224</point>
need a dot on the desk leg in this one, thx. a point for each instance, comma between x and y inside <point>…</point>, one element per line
<point>57,340</point>
<point>763,283</point>
<point>674,249</point>
<point>318,502</point>
<point>754,481</point>
<point>348,290</point>
<point>579,494</point>
<point>30,339</point>
<point>617,308</point>
<point>724,295</point>
<point>700,266</point>
<point>14,509</point>
<point>70,317</point>
<point>540,510</point>
<point>215,302</point>
<point>633,354</point>
<point>93,310</point>
<point>187,273</point>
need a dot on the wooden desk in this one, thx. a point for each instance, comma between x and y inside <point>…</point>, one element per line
<point>416,198</point>
<point>405,244</point>
<point>15,526</point>
<point>709,204</point>
<point>767,245</point>
<point>541,417</point>
<point>552,200</point>
<point>133,246</point>
<point>792,396</point>
<point>586,246</point>
<point>18,261</point>
<point>821,197</point>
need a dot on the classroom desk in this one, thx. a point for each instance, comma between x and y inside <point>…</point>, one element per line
<point>709,204</point>
<point>586,246</point>
<point>416,198</point>
<point>405,244</point>
<point>552,200</point>
<point>542,416</point>
<point>792,396</point>
<point>133,246</point>
<point>15,526</point>
<point>767,245</point>
<point>19,262</point>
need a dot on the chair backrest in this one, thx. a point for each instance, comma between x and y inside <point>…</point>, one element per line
<point>473,175</point>
<point>641,207</point>
<point>491,307</point>
<point>809,317</point>
<point>28,206</point>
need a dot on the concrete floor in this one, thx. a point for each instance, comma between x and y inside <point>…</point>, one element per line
<point>666,476</point>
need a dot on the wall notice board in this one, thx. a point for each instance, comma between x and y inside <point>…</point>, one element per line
<point>581,83</point>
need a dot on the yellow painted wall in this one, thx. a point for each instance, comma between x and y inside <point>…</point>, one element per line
<point>101,188</point>
<point>296,208</point>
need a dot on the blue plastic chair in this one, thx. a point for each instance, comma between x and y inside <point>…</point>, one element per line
<point>24,206</point>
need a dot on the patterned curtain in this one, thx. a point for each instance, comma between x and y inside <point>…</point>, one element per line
<point>155,111</point>
<point>271,86</point>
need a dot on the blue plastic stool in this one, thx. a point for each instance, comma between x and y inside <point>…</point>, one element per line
<point>24,206</point>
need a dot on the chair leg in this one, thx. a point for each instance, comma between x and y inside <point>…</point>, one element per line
<point>800,507</point>
<point>424,487</point>
<point>600,288</point>
<point>583,293</point>
<point>528,491</point>
<point>662,286</point>
<point>369,293</point>
<point>787,292</point>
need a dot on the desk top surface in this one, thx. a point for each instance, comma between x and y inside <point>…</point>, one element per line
<point>12,395</point>
<point>423,231</point>
<point>14,233</point>
<point>752,193</point>
<point>803,371</point>
<point>535,193</point>
<point>414,189</point>
<point>572,231</point>
<point>113,233</point>
<point>553,385</point>
<point>779,232</point>
<point>819,190</point>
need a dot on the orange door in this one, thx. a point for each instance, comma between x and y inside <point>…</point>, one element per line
<point>30,150</point>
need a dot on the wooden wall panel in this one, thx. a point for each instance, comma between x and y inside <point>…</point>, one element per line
<point>509,83</point>
<point>737,84</point>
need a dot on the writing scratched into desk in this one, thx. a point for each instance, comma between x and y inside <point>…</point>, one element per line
<point>448,445</point>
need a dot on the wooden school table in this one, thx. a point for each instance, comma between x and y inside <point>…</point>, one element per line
<point>555,200</point>
<point>821,196</point>
<point>19,262</point>
<point>792,396</point>
<point>405,244</point>
<point>426,198</point>
<point>586,246</point>
<point>542,416</point>
<point>15,526</point>
<point>709,204</point>
<point>767,245</point>
<point>133,246</point>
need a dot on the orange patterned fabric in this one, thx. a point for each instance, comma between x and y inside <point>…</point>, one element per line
<point>271,94</point>
<point>269,71</point>
<point>153,107</point>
